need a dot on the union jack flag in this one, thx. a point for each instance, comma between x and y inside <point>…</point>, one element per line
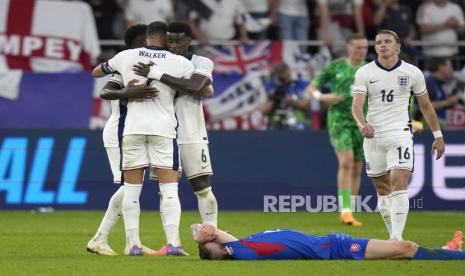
<point>240,59</point>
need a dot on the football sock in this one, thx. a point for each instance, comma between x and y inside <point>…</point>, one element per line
<point>171,208</point>
<point>344,197</point>
<point>131,212</point>
<point>161,211</point>
<point>399,212</point>
<point>208,207</point>
<point>384,207</point>
<point>111,216</point>
<point>438,254</point>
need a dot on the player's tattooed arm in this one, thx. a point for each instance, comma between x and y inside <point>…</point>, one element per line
<point>114,91</point>
<point>194,84</point>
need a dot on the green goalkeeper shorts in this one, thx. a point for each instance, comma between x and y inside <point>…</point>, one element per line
<point>347,138</point>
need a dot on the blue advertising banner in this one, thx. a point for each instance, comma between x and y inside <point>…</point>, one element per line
<point>254,170</point>
<point>40,100</point>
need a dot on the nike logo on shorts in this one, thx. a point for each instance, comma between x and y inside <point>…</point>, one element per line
<point>374,81</point>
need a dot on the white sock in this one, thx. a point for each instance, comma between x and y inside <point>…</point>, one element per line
<point>171,208</point>
<point>208,207</point>
<point>400,207</point>
<point>131,212</point>
<point>161,211</point>
<point>111,216</point>
<point>384,207</point>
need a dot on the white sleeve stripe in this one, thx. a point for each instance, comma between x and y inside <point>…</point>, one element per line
<point>359,92</point>
<point>424,91</point>
<point>204,74</point>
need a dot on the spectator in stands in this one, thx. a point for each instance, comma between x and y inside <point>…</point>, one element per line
<point>286,108</point>
<point>109,20</point>
<point>219,21</point>
<point>258,18</point>
<point>392,15</point>
<point>105,14</point>
<point>440,21</point>
<point>441,71</point>
<point>337,18</point>
<point>292,18</point>
<point>147,11</point>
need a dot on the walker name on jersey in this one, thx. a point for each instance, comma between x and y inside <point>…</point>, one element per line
<point>19,156</point>
<point>40,46</point>
<point>152,54</point>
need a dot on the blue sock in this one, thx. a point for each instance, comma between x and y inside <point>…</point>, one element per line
<point>438,254</point>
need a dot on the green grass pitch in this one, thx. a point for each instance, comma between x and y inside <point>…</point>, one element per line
<point>54,244</point>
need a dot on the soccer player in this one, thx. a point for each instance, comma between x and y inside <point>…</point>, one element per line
<point>388,83</point>
<point>342,129</point>
<point>215,244</point>
<point>192,134</point>
<point>149,136</point>
<point>115,91</point>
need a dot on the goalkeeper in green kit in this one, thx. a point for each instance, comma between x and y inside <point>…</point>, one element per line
<point>343,131</point>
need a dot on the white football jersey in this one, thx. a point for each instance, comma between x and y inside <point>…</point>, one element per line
<point>151,116</point>
<point>189,109</point>
<point>110,131</point>
<point>388,92</point>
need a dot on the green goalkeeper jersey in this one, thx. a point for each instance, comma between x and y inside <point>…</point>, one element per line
<point>340,74</point>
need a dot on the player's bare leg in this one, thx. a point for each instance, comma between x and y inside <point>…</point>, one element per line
<point>399,201</point>
<point>380,249</point>
<point>171,211</point>
<point>131,208</point>
<point>208,206</point>
<point>344,183</point>
<point>383,188</point>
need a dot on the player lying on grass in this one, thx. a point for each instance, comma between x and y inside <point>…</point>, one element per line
<point>215,244</point>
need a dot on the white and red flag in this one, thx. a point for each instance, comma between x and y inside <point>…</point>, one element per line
<point>47,36</point>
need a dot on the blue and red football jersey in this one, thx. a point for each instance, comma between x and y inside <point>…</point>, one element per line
<point>280,244</point>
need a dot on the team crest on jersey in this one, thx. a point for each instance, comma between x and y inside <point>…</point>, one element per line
<point>402,81</point>
<point>355,247</point>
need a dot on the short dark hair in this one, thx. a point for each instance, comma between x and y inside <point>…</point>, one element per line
<point>156,29</point>
<point>354,36</point>
<point>179,28</point>
<point>204,254</point>
<point>389,32</point>
<point>437,62</point>
<point>133,32</point>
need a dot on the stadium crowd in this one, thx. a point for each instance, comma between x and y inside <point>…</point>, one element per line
<point>329,21</point>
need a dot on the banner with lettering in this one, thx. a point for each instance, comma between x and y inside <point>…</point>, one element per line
<point>47,36</point>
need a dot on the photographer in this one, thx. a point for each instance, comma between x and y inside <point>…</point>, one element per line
<point>286,108</point>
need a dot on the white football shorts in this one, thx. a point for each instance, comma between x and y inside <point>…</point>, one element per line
<point>140,151</point>
<point>195,160</point>
<point>387,153</point>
